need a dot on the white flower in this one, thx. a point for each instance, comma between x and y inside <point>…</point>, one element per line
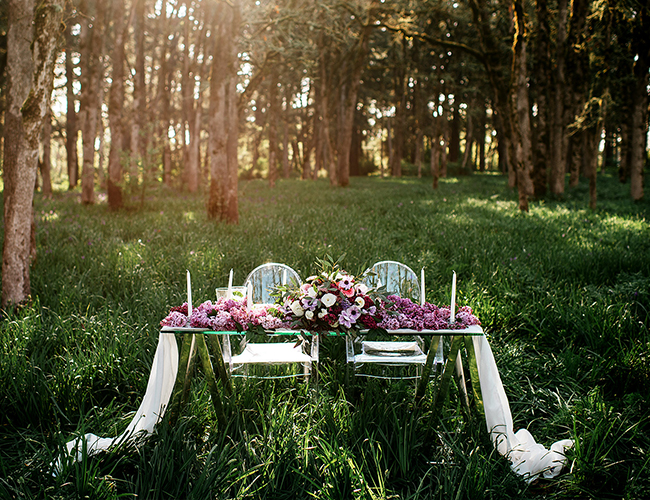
<point>328,299</point>
<point>322,313</point>
<point>362,288</point>
<point>311,292</point>
<point>359,302</point>
<point>296,308</point>
<point>309,315</point>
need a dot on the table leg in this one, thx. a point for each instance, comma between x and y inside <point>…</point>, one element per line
<point>217,355</point>
<point>459,375</point>
<point>179,395</point>
<point>473,373</point>
<point>426,371</point>
<point>204,354</point>
<point>450,366</point>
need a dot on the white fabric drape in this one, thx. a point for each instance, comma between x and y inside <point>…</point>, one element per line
<point>151,410</point>
<point>528,458</point>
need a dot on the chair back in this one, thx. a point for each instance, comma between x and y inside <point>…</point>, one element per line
<point>265,278</point>
<point>399,279</point>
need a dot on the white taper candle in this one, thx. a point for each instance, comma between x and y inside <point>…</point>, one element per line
<point>452,318</point>
<point>422,287</point>
<point>189,294</point>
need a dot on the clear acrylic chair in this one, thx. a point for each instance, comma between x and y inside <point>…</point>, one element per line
<point>285,350</point>
<point>401,280</point>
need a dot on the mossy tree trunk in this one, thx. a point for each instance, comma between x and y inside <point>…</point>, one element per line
<point>30,65</point>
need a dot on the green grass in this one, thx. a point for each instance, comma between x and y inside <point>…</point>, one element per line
<point>563,292</point>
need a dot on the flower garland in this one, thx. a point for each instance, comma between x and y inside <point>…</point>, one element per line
<point>397,313</point>
<point>225,315</point>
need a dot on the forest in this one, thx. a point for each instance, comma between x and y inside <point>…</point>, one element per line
<point>196,94</point>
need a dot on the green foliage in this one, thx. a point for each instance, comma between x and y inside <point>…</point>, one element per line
<point>563,293</point>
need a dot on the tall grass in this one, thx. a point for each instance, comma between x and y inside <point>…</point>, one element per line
<point>563,293</point>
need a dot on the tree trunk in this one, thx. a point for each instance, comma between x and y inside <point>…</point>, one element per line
<point>348,104</point>
<point>481,138</point>
<point>322,105</point>
<point>543,79</point>
<point>91,44</point>
<point>272,109</point>
<point>444,147</point>
<point>232,200</point>
<point>454,135</point>
<point>558,137</point>
<point>520,112</point>
<point>435,155</point>
<point>46,164</point>
<point>162,98</point>
<point>30,72</point>
<point>285,149</point>
<point>399,122</point>
<point>222,198</point>
<point>71,114</point>
<point>115,111</point>
<point>639,119</point>
<point>139,106</point>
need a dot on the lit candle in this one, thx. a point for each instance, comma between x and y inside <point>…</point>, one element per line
<point>422,287</point>
<point>189,294</point>
<point>452,318</point>
<point>230,285</point>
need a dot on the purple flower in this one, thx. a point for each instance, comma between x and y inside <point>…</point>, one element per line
<point>353,313</point>
<point>175,320</point>
<point>346,283</point>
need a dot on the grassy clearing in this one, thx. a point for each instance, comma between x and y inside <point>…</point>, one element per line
<point>563,292</point>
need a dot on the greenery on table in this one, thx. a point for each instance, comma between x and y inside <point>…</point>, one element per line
<point>563,292</point>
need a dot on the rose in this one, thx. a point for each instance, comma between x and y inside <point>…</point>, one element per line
<point>296,308</point>
<point>309,315</point>
<point>328,299</point>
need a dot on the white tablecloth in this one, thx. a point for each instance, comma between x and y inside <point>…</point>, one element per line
<point>528,458</point>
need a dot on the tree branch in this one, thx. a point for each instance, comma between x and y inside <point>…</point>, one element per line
<point>434,41</point>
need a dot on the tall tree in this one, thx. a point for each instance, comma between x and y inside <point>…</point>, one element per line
<point>71,127</point>
<point>222,197</point>
<point>639,122</point>
<point>90,103</point>
<point>115,110</point>
<point>31,42</point>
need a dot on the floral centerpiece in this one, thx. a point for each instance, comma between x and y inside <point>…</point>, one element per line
<point>333,300</point>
